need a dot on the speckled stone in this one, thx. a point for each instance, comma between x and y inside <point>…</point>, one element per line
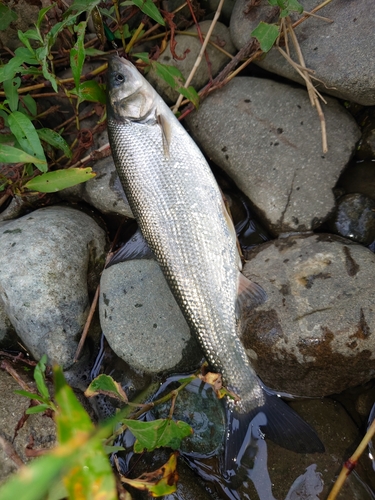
<point>269,143</point>
<point>142,321</point>
<point>46,259</point>
<point>316,333</point>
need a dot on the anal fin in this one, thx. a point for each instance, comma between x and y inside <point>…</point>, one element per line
<point>250,295</point>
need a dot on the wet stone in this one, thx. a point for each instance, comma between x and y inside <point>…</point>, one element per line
<point>316,333</point>
<point>359,177</point>
<point>354,218</point>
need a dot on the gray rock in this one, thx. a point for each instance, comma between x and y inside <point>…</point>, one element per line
<point>315,334</point>
<point>354,218</point>
<point>192,44</point>
<point>105,191</point>
<point>270,145</point>
<point>142,321</point>
<point>27,16</point>
<point>339,53</point>
<point>46,259</point>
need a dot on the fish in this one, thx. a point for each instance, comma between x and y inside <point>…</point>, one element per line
<point>181,215</point>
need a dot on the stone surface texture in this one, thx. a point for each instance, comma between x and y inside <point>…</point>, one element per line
<point>192,45</point>
<point>142,321</point>
<point>270,145</point>
<point>46,259</point>
<point>340,52</point>
<point>315,335</point>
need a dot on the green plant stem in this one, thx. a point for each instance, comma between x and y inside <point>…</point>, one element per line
<point>118,19</point>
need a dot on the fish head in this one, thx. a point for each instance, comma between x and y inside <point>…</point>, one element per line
<point>130,96</point>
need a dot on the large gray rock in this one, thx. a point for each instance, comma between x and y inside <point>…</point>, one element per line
<point>270,145</point>
<point>142,321</point>
<point>45,260</point>
<point>340,53</point>
<point>316,333</point>
<point>189,43</point>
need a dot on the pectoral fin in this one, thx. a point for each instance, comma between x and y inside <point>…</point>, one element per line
<point>250,295</point>
<point>166,133</point>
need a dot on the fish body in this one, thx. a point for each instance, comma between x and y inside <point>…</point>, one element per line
<point>179,208</point>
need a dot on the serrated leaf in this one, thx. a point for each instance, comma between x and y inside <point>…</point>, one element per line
<point>26,135</point>
<point>7,16</point>
<point>266,34</point>
<point>90,91</point>
<point>150,9</point>
<point>104,384</point>
<point>10,89</point>
<point>54,139</point>
<point>39,377</point>
<point>37,409</point>
<point>51,182</point>
<point>157,433</point>
<point>77,52</point>
<point>191,94</point>
<point>9,154</point>
<point>160,482</point>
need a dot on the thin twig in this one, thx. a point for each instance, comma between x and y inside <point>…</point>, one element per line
<point>92,155</point>
<point>352,462</point>
<point>87,324</point>
<point>10,452</point>
<point>200,55</point>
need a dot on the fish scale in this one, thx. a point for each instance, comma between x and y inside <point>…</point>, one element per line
<point>179,208</point>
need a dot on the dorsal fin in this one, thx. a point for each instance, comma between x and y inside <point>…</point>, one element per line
<point>166,133</point>
<point>250,295</point>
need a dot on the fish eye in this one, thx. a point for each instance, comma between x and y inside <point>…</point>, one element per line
<point>119,78</point>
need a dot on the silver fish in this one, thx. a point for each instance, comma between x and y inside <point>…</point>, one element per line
<point>180,211</point>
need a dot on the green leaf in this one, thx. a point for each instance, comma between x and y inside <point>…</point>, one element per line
<point>71,417</point>
<point>38,409</point>
<point>40,379</point>
<point>104,384</point>
<point>191,94</point>
<point>30,395</point>
<point>157,433</point>
<point>150,9</point>
<point>143,56</point>
<point>30,104</point>
<point>54,139</point>
<point>51,182</point>
<point>80,6</point>
<point>26,56</point>
<point>7,16</point>
<point>25,133</point>
<point>90,91</point>
<point>10,89</point>
<point>77,52</point>
<point>9,154</point>
<point>170,74</point>
<point>42,13</point>
<point>266,34</point>
<point>12,67</point>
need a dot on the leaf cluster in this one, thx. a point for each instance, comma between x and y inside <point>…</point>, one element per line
<point>78,467</point>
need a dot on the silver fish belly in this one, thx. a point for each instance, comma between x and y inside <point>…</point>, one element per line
<point>178,206</point>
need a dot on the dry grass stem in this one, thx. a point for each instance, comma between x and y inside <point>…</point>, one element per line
<point>307,15</point>
<point>200,55</point>
<point>310,14</point>
<point>10,452</point>
<point>313,93</point>
<point>98,153</point>
<point>352,462</point>
<point>87,324</point>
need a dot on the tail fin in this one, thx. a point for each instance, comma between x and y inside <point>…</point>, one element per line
<point>277,421</point>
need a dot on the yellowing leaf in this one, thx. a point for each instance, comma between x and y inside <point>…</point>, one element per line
<point>104,384</point>
<point>160,482</point>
